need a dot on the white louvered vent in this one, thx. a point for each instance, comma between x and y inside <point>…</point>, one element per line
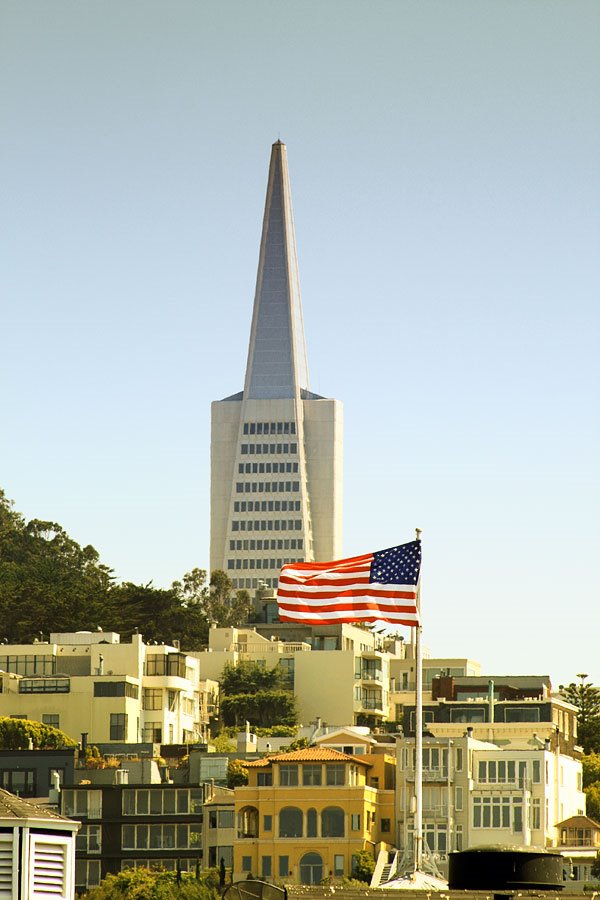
<point>48,868</point>
<point>6,866</point>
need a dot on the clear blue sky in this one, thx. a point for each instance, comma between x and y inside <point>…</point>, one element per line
<point>444,159</point>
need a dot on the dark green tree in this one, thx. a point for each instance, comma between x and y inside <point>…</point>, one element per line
<point>252,693</point>
<point>586,698</point>
<point>20,734</point>
<point>237,773</point>
<point>364,866</point>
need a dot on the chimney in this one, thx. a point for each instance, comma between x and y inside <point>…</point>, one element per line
<point>470,731</point>
<point>491,700</point>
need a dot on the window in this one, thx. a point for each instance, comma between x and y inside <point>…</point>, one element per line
<point>265,869</point>
<point>267,823</point>
<point>44,686</point>
<point>459,759</point>
<point>52,719</point>
<point>288,775</point>
<point>264,779</point>
<point>498,812</point>
<point>158,837</point>
<point>290,822</point>
<point>284,866</point>
<point>311,774</point>
<point>19,781</point>
<point>458,798</point>
<point>522,714</point>
<point>152,698</point>
<point>166,801</point>
<point>89,839</point>
<point>535,814</point>
<point>386,825</point>
<point>28,664</point>
<point>338,864</point>
<point>81,803</point>
<point>115,689</point>
<point>537,771</point>
<point>355,821</point>
<point>87,873</point>
<point>332,822</point>
<point>152,733</point>
<point>246,863</point>
<point>311,823</point>
<point>118,726</point>
<point>499,771</point>
<point>335,774</point>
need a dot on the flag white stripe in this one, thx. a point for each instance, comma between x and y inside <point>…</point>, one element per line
<point>400,618</point>
<point>373,590</point>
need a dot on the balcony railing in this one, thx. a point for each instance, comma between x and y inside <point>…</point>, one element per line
<point>371,675</point>
<point>279,647</point>
<point>437,774</point>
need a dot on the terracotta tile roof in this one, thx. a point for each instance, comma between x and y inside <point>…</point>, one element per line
<point>309,754</point>
<point>12,807</point>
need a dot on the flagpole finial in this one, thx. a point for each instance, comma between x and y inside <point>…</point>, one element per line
<point>418,534</point>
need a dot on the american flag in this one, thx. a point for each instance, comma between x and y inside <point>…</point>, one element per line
<point>375,587</point>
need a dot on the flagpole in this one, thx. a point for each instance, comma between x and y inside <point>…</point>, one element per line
<point>418,862</point>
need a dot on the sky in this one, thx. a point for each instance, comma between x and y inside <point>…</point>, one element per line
<point>444,162</point>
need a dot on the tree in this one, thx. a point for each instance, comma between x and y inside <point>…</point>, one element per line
<point>260,708</point>
<point>595,869</point>
<point>147,884</point>
<point>590,765</point>
<point>592,804</point>
<point>47,581</point>
<point>21,734</point>
<point>586,698</point>
<point>237,773</point>
<point>364,866</point>
<point>250,677</point>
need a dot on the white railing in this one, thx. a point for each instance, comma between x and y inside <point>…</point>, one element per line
<point>279,647</point>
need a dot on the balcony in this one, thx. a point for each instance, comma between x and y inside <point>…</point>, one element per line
<point>371,675</point>
<point>431,775</point>
<point>281,648</point>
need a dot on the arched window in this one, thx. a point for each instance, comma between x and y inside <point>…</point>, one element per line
<point>248,822</point>
<point>332,822</point>
<point>311,823</point>
<point>311,869</point>
<point>290,822</point>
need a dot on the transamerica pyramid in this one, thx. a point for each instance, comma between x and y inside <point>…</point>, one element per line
<point>276,448</point>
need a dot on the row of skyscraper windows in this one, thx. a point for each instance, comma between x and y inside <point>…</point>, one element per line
<point>267,467</point>
<point>269,428</point>
<point>266,525</point>
<point>259,563</point>
<point>266,487</point>
<point>254,582</point>
<point>287,544</point>
<point>268,448</point>
<point>266,506</point>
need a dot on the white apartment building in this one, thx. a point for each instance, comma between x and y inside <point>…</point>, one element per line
<point>276,447</point>
<point>342,675</point>
<point>115,692</point>
<point>476,792</point>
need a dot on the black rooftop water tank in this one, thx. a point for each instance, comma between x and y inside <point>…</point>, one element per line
<point>505,868</point>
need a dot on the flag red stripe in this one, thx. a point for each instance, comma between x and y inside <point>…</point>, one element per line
<point>356,604</point>
<point>319,582</point>
<point>334,564</point>
<point>309,620</point>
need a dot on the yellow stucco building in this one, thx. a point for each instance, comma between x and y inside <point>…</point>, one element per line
<point>305,815</point>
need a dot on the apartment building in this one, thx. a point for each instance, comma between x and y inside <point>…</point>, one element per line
<point>340,674</point>
<point>304,815</point>
<point>477,792</point>
<point>115,692</point>
<point>124,826</point>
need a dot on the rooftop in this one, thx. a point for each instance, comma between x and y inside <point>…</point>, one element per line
<point>12,807</point>
<point>309,754</point>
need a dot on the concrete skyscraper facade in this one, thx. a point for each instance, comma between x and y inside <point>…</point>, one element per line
<point>276,448</point>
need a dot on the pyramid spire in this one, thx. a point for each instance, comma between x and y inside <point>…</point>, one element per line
<point>277,366</point>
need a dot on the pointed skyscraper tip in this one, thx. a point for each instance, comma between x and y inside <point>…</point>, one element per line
<point>277,366</point>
